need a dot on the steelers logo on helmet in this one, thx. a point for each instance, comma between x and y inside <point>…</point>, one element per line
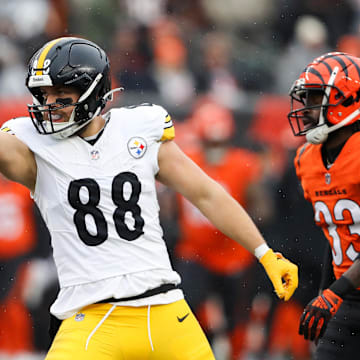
<point>68,61</point>
<point>335,79</point>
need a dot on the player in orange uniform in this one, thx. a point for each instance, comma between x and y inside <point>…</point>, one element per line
<point>326,108</point>
<point>17,240</point>
<point>219,264</point>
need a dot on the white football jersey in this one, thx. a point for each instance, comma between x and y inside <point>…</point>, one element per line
<point>100,205</point>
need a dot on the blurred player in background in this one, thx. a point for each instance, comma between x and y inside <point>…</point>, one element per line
<point>93,178</point>
<point>17,242</point>
<point>208,261</point>
<point>326,109</point>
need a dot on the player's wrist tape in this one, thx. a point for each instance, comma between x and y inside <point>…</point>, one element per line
<point>261,250</point>
<point>342,286</point>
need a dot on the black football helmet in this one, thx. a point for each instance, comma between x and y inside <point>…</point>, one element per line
<point>74,62</point>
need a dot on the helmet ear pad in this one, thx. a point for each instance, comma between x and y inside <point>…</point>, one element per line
<point>343,95</point>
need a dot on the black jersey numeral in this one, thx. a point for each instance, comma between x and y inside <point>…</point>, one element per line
<point>89,207</point>
<point>130,205</point>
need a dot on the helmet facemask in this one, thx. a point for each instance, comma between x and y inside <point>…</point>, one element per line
<point>300,94</point>
<point>301,102</point>
<point>81,115</point>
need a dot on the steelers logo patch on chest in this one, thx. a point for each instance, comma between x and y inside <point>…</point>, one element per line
<point>137,147</point>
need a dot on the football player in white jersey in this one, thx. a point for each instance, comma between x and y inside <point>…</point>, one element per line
<point>93,178</point>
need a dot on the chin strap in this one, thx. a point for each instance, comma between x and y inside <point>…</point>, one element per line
<point>320,133</point>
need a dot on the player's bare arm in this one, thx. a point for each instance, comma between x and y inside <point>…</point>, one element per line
<point>184,176</point>
<point>17,161</point>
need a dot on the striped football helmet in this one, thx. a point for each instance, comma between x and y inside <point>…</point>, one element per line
<point>335,78</point>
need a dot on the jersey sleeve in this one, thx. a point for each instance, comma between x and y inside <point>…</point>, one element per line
<point>298,168</point>
<point>169,129</point>
<point>150,121</point>
<point>7,127</point>
<point>164,125</point>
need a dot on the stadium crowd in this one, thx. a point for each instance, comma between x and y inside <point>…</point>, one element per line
<point>231,60</point>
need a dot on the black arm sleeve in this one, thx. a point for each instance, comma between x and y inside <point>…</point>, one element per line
<point>327,275</point>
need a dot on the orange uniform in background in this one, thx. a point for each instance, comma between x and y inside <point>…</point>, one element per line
<point>17,240</point>
<point>17,233</point>
<point>221,268</point>
<point>199,240</point>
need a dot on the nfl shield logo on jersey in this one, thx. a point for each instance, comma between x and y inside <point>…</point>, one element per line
<point>79,317</point>
<point>137,147</point>
<point>327,178</point>
<point>95,155</point>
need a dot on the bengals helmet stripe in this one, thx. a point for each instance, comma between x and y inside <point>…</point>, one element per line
<point>328,67</point>
<point>315,72</point>
<point>354,63</point>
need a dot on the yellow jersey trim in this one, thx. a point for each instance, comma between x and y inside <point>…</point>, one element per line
<point>168,134</point>
<point>43,55</point>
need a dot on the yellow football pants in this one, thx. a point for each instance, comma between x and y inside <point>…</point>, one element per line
<point>104,332</point>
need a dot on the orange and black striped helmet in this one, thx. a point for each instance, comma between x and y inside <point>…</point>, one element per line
<point>336,77</point>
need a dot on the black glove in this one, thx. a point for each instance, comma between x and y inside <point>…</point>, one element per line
<point>318,313</point>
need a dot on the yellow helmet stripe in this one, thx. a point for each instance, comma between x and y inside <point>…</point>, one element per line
<point>43,54</point>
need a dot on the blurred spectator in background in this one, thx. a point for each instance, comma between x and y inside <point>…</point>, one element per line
<point>27,31</point>
<point>339,17</point>
<point>175,82</point>
<point>144,12</point>
<point>216,76</point>
<point>20,34</point>
<point>94,19</point>
<point>204,256</point>
<point>12,69</point>
<point>26,273</point>
<point>17,241</point>
<point>310,39</point>
<point>349,43</point>
<point>130,56</point>
<point>239,13</point>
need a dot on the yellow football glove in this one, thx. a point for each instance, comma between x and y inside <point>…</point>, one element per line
<point>282,273</point>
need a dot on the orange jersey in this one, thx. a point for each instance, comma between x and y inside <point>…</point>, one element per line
<point>17,226</point>
<point>335,196</point>
<point>199,240</point>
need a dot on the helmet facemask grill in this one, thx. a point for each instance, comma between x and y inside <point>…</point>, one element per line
<point>318,129</point>
<point>85,109</point>
<point>300,104</point>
